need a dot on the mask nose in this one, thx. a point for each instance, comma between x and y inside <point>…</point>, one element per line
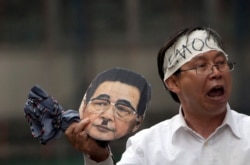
<point>108,114</point>
<point>105,121</point>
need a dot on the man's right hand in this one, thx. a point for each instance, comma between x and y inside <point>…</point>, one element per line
<point>81,141</point>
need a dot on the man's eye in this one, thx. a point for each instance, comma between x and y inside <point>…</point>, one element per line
<point>201,66</point>
<point>221,63</point>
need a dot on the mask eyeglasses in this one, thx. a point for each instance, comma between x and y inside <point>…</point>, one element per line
<point>205,69</point>
<point>121,111</point>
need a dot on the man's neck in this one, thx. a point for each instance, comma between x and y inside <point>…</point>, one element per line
<point>204,125</point>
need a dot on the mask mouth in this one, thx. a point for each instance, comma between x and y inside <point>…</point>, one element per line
<point>104,128</point>
<point>216,91</point>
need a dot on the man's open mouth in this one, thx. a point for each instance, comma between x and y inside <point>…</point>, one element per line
<point>216,91</point>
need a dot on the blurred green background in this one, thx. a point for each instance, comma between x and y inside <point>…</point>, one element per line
<point>62,44</point>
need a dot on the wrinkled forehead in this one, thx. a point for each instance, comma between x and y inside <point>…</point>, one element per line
<point>187,47</point>
<point>116,89</point>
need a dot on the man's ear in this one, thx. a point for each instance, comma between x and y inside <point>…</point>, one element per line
<point>172,84</point>
<point>82,108</point>
<point>138,123</point>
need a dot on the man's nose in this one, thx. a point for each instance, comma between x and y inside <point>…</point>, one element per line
<point>215,68</point>
<point>215,71</point>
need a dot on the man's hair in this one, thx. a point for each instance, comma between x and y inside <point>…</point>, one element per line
<point>124,76</point>
<point>173,39</point>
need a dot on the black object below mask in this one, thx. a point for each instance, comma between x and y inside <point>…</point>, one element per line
<point>46,116</point>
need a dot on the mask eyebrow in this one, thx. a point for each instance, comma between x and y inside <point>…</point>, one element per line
<point>119,102</point>
<point>126,103</point>
<point>102,97</point>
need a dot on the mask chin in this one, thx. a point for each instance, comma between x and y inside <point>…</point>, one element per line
<point>102,144</point>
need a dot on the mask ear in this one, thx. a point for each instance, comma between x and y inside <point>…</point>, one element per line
<point>138,123</point>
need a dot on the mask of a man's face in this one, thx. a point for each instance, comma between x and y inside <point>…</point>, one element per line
<point>111,110</point>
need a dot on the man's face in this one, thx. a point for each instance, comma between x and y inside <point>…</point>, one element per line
<point>111,111</point>
<point>205,94</point>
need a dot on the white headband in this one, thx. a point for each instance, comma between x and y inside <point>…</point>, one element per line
<point>186,48</point>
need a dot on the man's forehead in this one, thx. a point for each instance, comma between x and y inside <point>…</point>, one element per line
<point>186,48</point>
<point>206,55</point>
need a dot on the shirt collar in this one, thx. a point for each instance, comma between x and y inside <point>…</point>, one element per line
<point>231,122</point>
<point>179,122</point>
<point>228,121</point>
